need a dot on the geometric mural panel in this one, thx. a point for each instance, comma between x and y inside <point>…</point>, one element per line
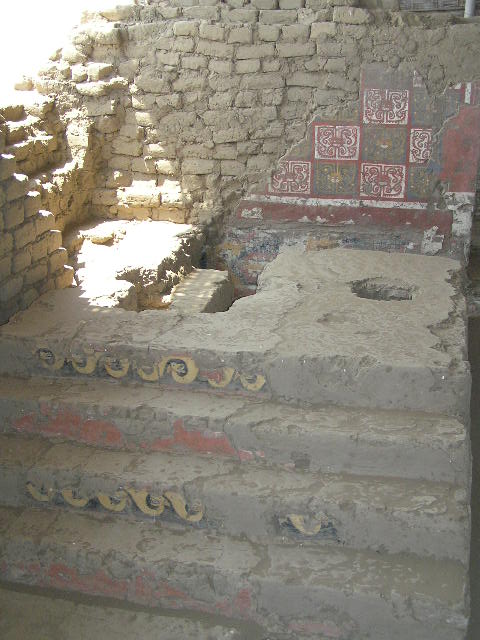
<point>385,181</point>
<point>385,106</point>
<point>421,183</point>
<point>420,146</point>
<point>335,179</point>
<point>387,145</point>
<point>336,142</point>
<point>292,176</point>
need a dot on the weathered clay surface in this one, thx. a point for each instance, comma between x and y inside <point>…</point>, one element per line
<point>331,403</point>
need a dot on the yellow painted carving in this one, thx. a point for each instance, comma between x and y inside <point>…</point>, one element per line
<point>149,374</point>
<point>180,507</point>
<point>49,359</point>
<point>227,374</point>
<point>183,370</point>
<point>298,523</point>
<point>116,503</point>
<point>150,505</point>
<point>117,367</point>
<point>87,364</point>
<point>252,383</point>
<point>37,494</point>
<point>72,499</point>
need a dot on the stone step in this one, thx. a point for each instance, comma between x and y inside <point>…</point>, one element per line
<point>146,199</point>
<point>131,264</point>
<point>308,592</point>
<point>44,155</point>
<point>20,130</point>
<point>352,328</point>
<point>328,439</point>
<point>259,503</point>
<point>29,614</point>
<point>12,111</point>
<point>203,291</point>
<point>41,146</point>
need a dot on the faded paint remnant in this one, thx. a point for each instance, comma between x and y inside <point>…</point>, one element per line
<point>66,424</point>
<point>256,212</point>
<point>432,243</point>
<point>61,576</point>
<point>214,442</point>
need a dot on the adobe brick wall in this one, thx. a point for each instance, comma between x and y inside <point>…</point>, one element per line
<point>182,108</point>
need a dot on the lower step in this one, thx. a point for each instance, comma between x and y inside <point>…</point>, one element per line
<point>30,614</point>
<point>259,503</point>
<point>328,439</point>
<point>336,593</point>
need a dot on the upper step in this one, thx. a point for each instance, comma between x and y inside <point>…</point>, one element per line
<point>131,264</point>
<point>328,439</point>
<point>203,291</point>
<point>354,328</point>
<point>259,503</point>
<point>306,592</point>
<point>20,130</point>
<point>34,154</point>
<point>29,615</point>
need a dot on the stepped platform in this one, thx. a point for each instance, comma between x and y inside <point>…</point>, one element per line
<point>297,466</point>
<point>362,329</point>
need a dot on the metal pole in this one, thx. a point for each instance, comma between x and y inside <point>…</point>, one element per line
<point>469,8</point>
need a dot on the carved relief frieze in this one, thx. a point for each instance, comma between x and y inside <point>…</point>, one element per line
<point>182,369</point>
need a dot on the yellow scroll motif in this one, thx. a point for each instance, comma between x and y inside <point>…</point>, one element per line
<point>71,498</point>
<point>41,495</point>
<point>116,503</point>
<point>180,507</point>
<point>183,369</point>
<point>148,504</point>
<point>148,373</point>
<point>117,367</point>
<point>252,383</point>
<point>298,523</point>
<point>87,363</point>
<point>49,359</point>
<point>225,377</point>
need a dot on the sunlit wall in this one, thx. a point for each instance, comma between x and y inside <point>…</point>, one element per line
<point>31,30</point>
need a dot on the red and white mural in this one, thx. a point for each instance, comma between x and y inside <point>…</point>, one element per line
<point>398,176</point>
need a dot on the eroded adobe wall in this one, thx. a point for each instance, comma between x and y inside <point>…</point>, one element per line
<point>398,174</point>
<point>185,108</point>
<point>48,160</point>
<point>196,103</point>
<point>32,259</point>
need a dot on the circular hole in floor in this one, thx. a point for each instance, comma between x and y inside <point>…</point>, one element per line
<point>383,289</point>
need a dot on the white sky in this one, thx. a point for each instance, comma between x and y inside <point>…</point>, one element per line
<point>31,30</point>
